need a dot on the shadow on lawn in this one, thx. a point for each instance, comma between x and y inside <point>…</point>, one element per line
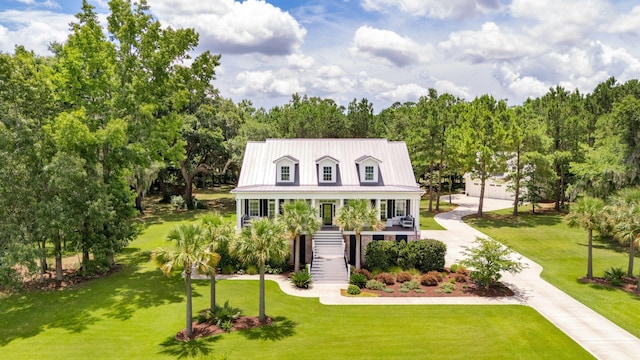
<point>280,328</point>
<point>188,349</point>
<point>521,221</point>
<point>119,295</point>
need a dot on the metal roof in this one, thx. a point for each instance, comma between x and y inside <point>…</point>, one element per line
<point>258,172</point>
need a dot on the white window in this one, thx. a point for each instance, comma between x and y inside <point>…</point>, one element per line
<point>327,175</point>
<point>285,173</point>
<point>383,209</point>
<point>272,208</point>
<point>401,207</point>
<point>368,173</point>
<point>254,207</point>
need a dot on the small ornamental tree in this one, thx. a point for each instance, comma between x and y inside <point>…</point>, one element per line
<point>487,260</point>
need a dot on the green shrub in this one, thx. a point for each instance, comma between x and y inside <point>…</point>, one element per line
<point>96,267</point>
<point>411,285</point>
<point>418,290</point>
<point>353,290</point>
<point>227,326</point>
<point>301,279</point>
<point>403,290</point>
<point>364,272</point>
<point>276,267</point>
<point>489,259</point>
<point>252,270</point>
<point>428,280</point>
<point>358,280</point>
<point>424,255</point>
<point>178,202</point>
<point>225,313</point>
<point>375,285</point>
<point>386,278</point>
<point>388,290</point>
<point>381,254</point>
<point>228,269</point>
<point>403,277</point>
<point>394,269</point>
<point>436,274</point>
<point>448,287</point>
<point>614,276</point>
<point>453,268</point>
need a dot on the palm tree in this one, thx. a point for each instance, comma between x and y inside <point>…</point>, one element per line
<point>625,215</point>
<point>587,214</point>
<point>190,253</point>
<point>299,217</point>
<point>263,241</point>
<point>216,230</point>
<point>356,216</point>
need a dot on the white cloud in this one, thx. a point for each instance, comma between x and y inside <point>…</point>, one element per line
<point>49,4</point>
<point>489,43</point>
<point>33,29</point>
<point>233,27</point>
<point>561,21</point>
<point>625,23</point>
<point>437,9</point>
<point>300,61</point>
<point>446,86</point>
<point>388,46</point>
<point>372,84</point>
<point>522,86</point>
<point>260,83</point>
<point>404,93</point>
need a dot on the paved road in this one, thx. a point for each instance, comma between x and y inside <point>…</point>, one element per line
<point>602,338</point>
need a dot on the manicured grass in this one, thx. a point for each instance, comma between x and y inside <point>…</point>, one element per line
<point>562,252</point>
<point>427,222</point>
<point>134,314</point>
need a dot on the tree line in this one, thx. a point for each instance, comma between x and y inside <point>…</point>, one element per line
<point>85,133</point>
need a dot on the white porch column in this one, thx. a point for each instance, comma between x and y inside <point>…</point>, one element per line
<point>238,213</point>
<point>416,212</point>
<point>378,209</point>
<point>277,209</point>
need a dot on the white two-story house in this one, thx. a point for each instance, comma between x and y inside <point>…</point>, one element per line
<point>328,173</point>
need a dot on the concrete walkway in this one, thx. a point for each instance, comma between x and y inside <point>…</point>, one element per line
<point>599,336</point>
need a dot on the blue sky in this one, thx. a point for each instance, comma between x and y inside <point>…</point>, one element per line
<point>385,50</point>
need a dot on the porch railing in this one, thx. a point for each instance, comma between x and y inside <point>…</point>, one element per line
<point>346,261</point>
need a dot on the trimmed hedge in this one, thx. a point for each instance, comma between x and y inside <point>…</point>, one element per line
<point>424,255</point>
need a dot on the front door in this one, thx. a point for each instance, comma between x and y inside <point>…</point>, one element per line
<point>327,214</point>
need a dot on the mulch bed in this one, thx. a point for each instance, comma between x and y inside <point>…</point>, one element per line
<point>629,284</point>
<point>208,329</point>
<point>70,278</point>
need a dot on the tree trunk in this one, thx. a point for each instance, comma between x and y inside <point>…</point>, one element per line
<point>139,202</point>
<point>632,250</point>
<point>58,254</point>
<point>262,314</point>
<point>430,188</point>
<point>212,290</point>
<point>187,281</point>
<point>358,250</point>
<point>440,175</point>
<point>480,204</point>
<point>450,186</point>
<point>85,259</point>
<point>296,255</point>
<point>557,190</point>
<point>188,193</point>
<point>516,185</point>
<point>590,255</point>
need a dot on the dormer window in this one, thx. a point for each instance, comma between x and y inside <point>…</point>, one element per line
<point>285,173</point>
<point>327,170</point>
<point>368,173</point>
<point>286,170</point>
<point>327,174</point>
<point>368,170</point>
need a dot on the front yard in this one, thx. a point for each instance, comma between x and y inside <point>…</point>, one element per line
<point>136,312</point>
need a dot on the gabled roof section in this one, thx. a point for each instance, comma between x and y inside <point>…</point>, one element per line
<point>327,157</point>
<point>258,172</point>
<point>367,157</point>
<point>286,157</point>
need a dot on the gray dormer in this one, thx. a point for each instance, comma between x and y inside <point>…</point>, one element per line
<point>287,172</point>
<point>369,170</point>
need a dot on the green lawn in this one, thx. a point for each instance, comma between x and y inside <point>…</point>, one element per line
<point>562,252</point>
<point>134,314</point>
<point>427,222</point>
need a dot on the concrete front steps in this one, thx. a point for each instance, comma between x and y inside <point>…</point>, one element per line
<point>328,259</point>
